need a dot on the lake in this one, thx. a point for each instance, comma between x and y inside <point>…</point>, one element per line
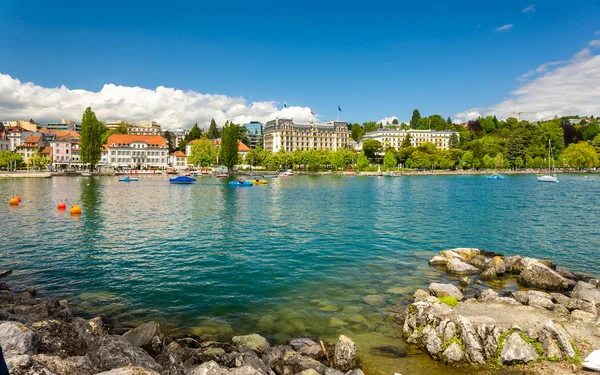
<point>303,256</point>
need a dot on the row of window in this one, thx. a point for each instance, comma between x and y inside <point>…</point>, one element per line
<point>138,153</point>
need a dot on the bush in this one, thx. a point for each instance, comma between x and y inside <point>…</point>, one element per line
<point>449,300</point>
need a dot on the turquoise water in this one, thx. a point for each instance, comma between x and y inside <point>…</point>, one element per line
<point>306,255</point>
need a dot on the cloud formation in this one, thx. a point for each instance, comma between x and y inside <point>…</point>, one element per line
<point>540,69</point>
<point>388,120</point>
<point>504,28</point>
<point>570,88</point>
<point>170,107</point>
<point>529,9</point>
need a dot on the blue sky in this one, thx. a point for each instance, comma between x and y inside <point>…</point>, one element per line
<point>374,59</point>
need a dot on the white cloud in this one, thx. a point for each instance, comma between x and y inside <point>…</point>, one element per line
<point>540,69</point>
<point>571,88</point>
<point>505,27</point>
<point>170,107</point>
<point>529,9</point>
<point>594,43</point>
<point>388,120</point>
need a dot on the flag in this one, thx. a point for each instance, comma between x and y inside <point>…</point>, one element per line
<point>311,111</point>
<point>284,104</point>
<point>339,109</point>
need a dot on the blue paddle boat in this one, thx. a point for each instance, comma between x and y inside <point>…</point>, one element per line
<point>128,179</point>
<point>182,180</point>
<point>495,176</point>
<point>240,183</point>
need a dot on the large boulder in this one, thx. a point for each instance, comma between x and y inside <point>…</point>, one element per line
<point>534,298</point>
<point>453,354</point>
<point>443,290</point>
<point>478,261</point>
<point>458,267</point>
<point>129,371</point>
<point>470,340</point>
<point>284,360</point>
<point>345,354</point>
<point>498,264</point>
<point>467,253</point>
<point>574,304</point>
<point>516,349</point>
<point>79,365</point>
<point>308,347</point>
<point>147,336</point>
<point>555,341</point>
<point>16,339</point>
<point>59,338</point>
<point>540,276</point>
<point>109,352</point>
<point>171,359</point>
<point>255,342</point>
<point>489,274</point>
<point>516,264</point>
<point>97,326</point>
<point>438,260</point>
<point>586,292</point>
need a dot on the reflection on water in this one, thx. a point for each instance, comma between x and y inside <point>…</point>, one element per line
<point>303,256</point>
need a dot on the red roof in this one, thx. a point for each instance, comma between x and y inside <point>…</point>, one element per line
<point>47,150</point>
<point>62,133</point>
<point>179,154</point>
<point>126,139</point>
<point>32,139</point>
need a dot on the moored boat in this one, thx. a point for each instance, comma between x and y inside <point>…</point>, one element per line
<point>128,179</point>
<point>550,176</point>
<point>287,173</point>
<point>495,176</point>
<point>182,180</point>
<point>258,181</point>
<point>240,183</point>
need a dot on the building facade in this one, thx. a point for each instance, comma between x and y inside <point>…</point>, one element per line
<point>137,151</point>
<point>29,147</point>
<point>30,126</point>
<point>64,125</point>
<point>284,134</point>
<point>145,128</point>
<point>178,160</point>
<point>179,136</point>
<point>114,124</point>
<point>394,138</point>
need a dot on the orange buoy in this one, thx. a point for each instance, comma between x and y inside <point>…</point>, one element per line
<point>62,206</point>
<point>75,210</point>
<point>19,198</point>
<point>13,202</point>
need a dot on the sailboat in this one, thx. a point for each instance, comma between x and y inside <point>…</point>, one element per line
<point>551,175</point>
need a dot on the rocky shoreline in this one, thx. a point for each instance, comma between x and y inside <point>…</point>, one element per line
<point>43,336</point>
<point>553,325</point>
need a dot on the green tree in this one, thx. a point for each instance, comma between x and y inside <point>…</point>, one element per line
<point>453,142</point>
<point>38,160</point>
<point>488,162</point>
<point>203,153</point>
<point>371,148</point>
<point>169,137</point>
<point>538,162</point>
<point>518,162</point>
<point>228,154</point>
<point>516,149</point>
<point>449,122</point>
<point>370,126</point>
<point>357,132</point>
<point>596,143</point>
<point>243,135</point>
<point>416,116</point>
<point>445,163</point>
<point>90,138</point>
<point>11,159</point>
<point>581,155</point>
<point>389,159</point>
<point>395,121</point>
<point>362,161</point>
<point>409,163</point>
<point>467,160</point>
<point>195,133</point>
<point>213,131</point>
<point>499,161</point>
<point>406,142</point>
<point>254,157</point>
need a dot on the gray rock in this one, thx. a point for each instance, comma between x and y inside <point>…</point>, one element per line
<point>465,281</point>
<point>478,261</point>
<point>438,260</point>
<point>355,372</point>
<point>517,350</point>
<point>16,339</point>
<point>582,315</point>
<point>560,309</point>
<point>147,336</point>
<point>97,326</point>
<point>171,359</point>
<point>246,370</point>
<point>507,300</point>
<point>432,341</point>
<point>466,252</point>
<point>443,290</point>
<point>308,372</point>
<point>60,338</point>
<point>420,295</point>
<point>540,276</point>
<point>332,371</point>
<point>19,364</point>
<point>4,273</point>
<point>129,371</point>
<point>345,354</point>
<point>453,354</point>
<point>458,267</point>
<point>554,336</point>
<point>574,304</point>
<point>487,295</point>
<point>498,264</point>
<point>79,365</point>
<point>449,331</point>
<point>538,301</point>
<point>283,360</point>
<point>210,368</point>
<point>489,336</point>
<point>255,342</point>
<point>488,274</point>
<point>299,343</point>
<point>109,352</point>
<point>469,339</point>
<point>517,263</point>
<point>586,292</point>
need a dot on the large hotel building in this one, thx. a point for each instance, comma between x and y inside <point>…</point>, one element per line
<point>394,138</point>
<point>284,134</point>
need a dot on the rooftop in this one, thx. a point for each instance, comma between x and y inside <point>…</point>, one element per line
<point>127,139</point>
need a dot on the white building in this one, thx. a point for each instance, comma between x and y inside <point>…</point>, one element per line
<point>394,138</point>
<point>179,136</point>
<point>284,134</point>
<point>137,151</point>
<point>145,128</point>
<point>114,124</point>
<point>178,160</point>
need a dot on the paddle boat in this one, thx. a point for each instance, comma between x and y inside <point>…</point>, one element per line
<point>182,180</point>
<point>128,179</point>
<point>240,183</point>
<point>258,181</point>
<point>495,176</point>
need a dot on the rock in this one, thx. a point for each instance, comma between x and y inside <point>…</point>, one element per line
<point>450,254</point>
<point>507,300</point>
<point>19,364</point>
<point>555,341</point>
<point>79,365</point>
<point>60,338</point>
<point>308,372</point>
<point>478,261</point>
<point>377,300</point>
<point>210,368</point>
<point>534,298</point>
<point>255,342</point>
<point>171,359</point>
<point>469,339</point>
<point>488,274</point>
<point>16,339</point>
<point>129,371</point>
<point>453,354</point>
<point>547,263</point>
<point>147,336</point>
<point>586,292</point>
<point>4,273</point>
<point>331,371</point>
<point>574,304</point>
<point>420,295</point>
<point>345,354</point>
<point>449,331</point>
<point>465,281</point>
<point>490,336</point>
<point>560,309</point>
<point>487,295</point>
<point>97,326</point>
<point>582,315</point>
<point>355,372</point>
<point>432,341</point>
<point>466,253</point>
<point>498,264</point>
<point>517,350</point>
<point>458,267</point>
<point>517,263</point>
<point>443,290</point>
<point>540,276</point>
<point>4,286</point>
<point>438,260</point>
<point>109,352</point>
<point>283,360</point>
<point>299,343</point>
